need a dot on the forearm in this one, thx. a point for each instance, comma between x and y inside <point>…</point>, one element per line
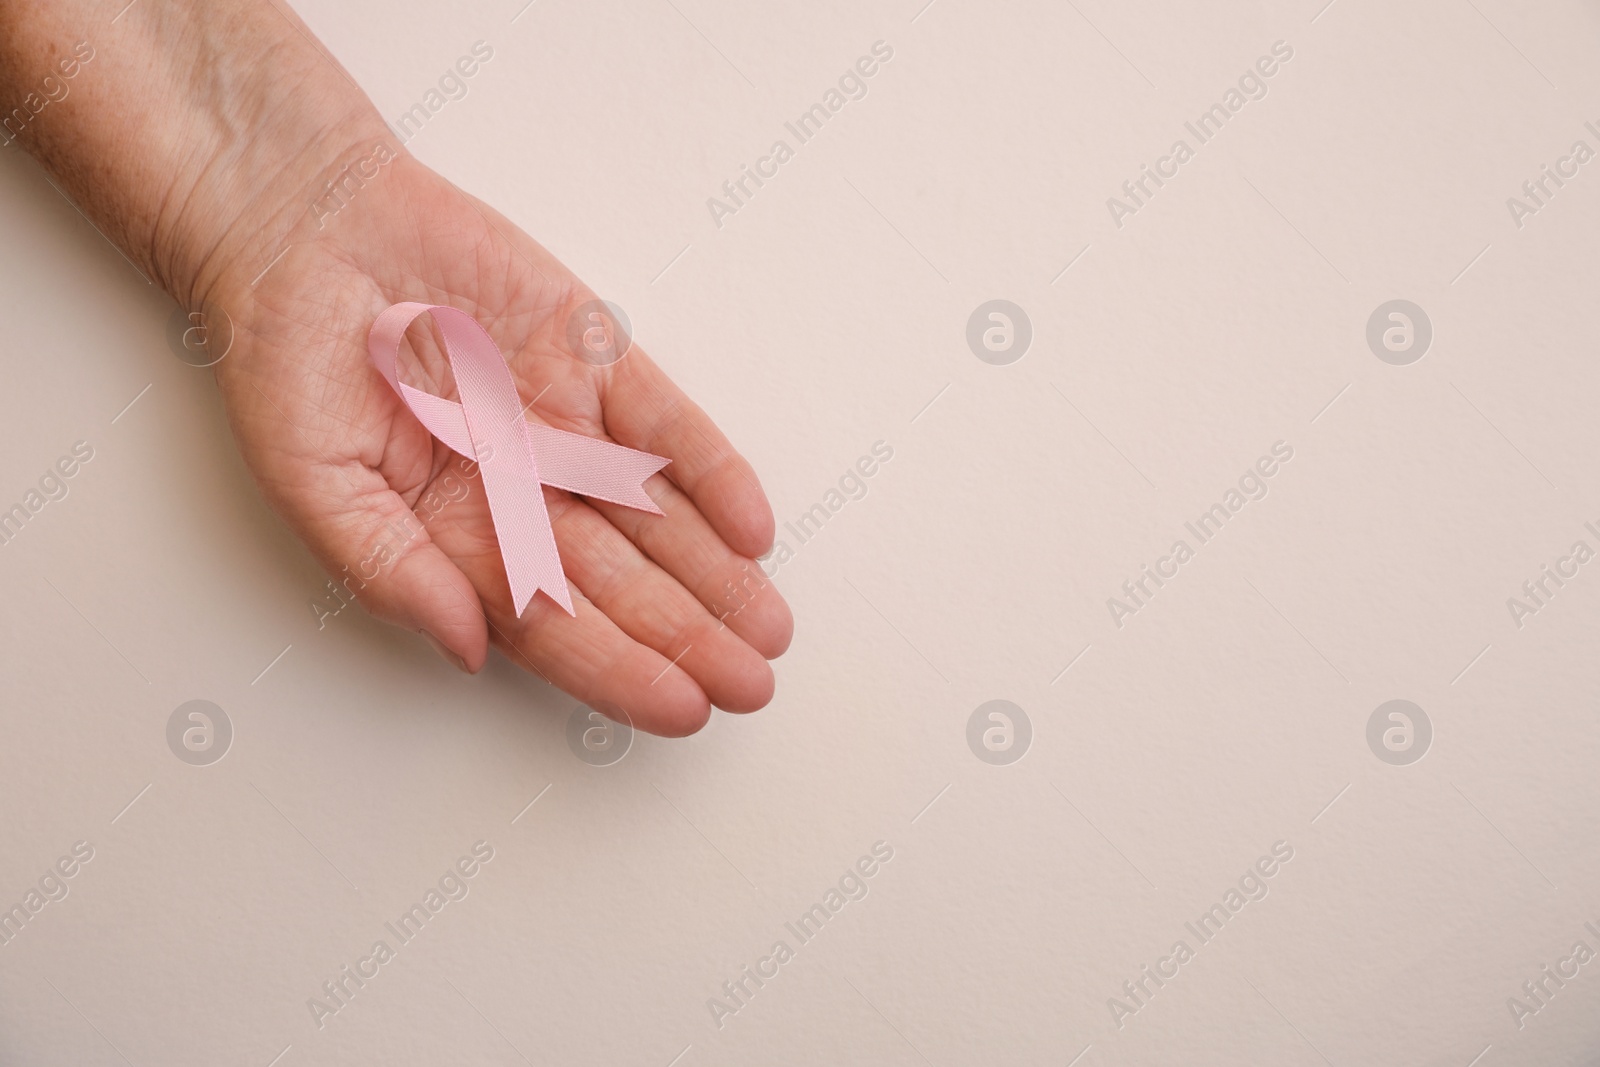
<point>193,134</point>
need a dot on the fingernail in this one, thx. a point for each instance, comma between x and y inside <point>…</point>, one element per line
<point>439,647</point>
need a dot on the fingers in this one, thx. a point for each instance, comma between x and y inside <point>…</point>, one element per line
<point>730,586</point>
<point>594,660</point>
<point>645,410</point>
<point>589,657</point>
<point>639,640</point>
<point>651,607</point>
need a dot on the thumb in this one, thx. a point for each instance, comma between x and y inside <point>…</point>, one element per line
<point>379,551</point>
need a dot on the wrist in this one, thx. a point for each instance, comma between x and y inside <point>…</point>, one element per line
<point>191,136</point>
<point>263,190</point>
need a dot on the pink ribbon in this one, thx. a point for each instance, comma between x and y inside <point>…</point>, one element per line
<point>514,455</point>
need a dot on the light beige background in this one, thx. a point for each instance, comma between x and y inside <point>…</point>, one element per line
<point>1227,315</point>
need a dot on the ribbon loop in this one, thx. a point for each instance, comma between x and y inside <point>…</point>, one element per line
<point>515,456</point>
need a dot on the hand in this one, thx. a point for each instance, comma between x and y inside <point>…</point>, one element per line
<point>202,141</point>
<point>672,612</point>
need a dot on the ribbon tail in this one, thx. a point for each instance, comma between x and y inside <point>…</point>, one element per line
<point>594,468</point>
<point>528,549</point>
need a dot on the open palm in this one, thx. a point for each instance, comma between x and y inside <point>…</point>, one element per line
<point>672,614</point>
